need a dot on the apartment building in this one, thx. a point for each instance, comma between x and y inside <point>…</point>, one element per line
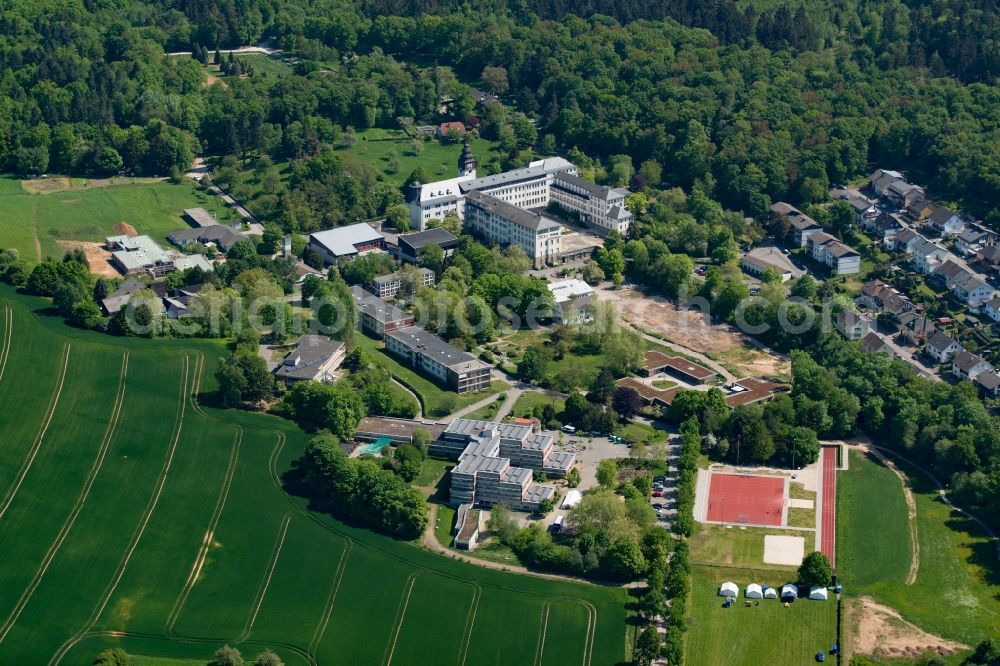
<point>505,224</point>
<point>600,206</point>
<point>376,317</point>
<point>460,371</point>
<point>388,286</point>
<point>842,259</point>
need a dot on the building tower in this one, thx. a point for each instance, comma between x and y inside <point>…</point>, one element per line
<point>466,162</point>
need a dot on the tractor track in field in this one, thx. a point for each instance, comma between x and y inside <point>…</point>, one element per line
<point>109,435</point>
<point>266,582</point>
<point>470,623</point>
<point>140,528</point>
<point>206,544</point>
<point>37,445</point>
<point>404,601</point>
<point>8,331</point>
<point>588,645</point>
<point>324,619</point>
<point>542,630</point>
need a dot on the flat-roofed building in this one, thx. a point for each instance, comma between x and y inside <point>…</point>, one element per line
<point>600,206</point>
<point>200,217</point>
<point>689,371</point>
<point>504,224</point>
<point>458,370</point>
<point>388,286</point>
<point>139,254</point>
<point>376,317</point>
<point>517,442</point>
<point>571,296</point>
<point>410,245</point>
<point>345,243</point>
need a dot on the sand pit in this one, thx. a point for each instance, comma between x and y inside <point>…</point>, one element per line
<point>784,549</point>
<point>801,504</point>
<point>98,259</point>
<point>879,630</point>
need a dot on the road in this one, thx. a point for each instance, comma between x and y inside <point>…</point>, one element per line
<point>901,352</point>
<point>199,170</point>
<point>238,51</point>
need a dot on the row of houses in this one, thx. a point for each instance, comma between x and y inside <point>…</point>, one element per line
<point>805,232</point>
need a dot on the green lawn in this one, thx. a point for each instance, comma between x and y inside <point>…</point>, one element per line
<point>436,401</point>
<point>90,213</point>
<point>734,546</point>
<point>640,432</point>
<point>958,565</point>
<point>525,405</point>
<point>374,147</point>
<point>431,471</point>
<point>486,412</point>
<point>171,523</point>
<point>764,634</point>
<point>664,384</point>
<point>445,525</point>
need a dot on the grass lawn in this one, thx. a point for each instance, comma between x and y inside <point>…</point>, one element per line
<point>374,147</point>
<point>436,401</point>
<point>431,471</point>
<point>109,461</point>
<point>664,384</point>
<point>85,212</point>
<point>525,405</point>
<point>445,525</point>
<point>487,412</point>
<point>733,546</point>
<point>958,565</point>
<point>801,517</point>
<point>765,634</point>
<point>640,432</point>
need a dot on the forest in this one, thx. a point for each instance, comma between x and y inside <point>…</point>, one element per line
<point>85,89</point>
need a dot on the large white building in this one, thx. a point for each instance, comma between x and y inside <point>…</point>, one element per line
<point>499,222</point>
<point>598,205</point>
<point>345,243</point>
<point>527,187</point>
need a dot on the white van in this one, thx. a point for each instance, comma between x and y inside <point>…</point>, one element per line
<point>568,429</point>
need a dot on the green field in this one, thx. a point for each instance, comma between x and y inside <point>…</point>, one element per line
<point>132,515</point>
<point>526,404</point>
<point>88,213</point>
<point>734,547</point>
<point>765,634</point>
<point>436,401</point>
<point>374,148</point>
<point>957,586</point>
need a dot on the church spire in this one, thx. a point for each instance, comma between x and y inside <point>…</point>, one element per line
<point>466,161</point>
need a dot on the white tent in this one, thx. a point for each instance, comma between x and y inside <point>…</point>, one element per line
<point>572,498</point>
<point>770,593</point>
<point>729,589</point>
<point>818,593</point>
<point>754,591</point>
<point>789,591</point>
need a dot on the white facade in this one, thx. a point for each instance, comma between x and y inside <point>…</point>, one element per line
<point>504,224</point>
<point>598,205</point>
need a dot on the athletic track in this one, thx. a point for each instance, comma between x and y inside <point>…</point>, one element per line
<point>828,533</point>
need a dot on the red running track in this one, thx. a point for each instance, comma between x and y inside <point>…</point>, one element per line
<point>828,531</point>
<point>754,500</point>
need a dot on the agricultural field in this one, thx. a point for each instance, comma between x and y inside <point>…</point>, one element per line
<point>954,594</point>
<point>44,217</point>
<point>764,634</point>
<point>171,524</point>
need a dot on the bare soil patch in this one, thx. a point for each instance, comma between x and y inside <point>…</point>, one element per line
<point>879,630</point>
<point>124,229</point>
<point>46,185</point>
<point>98,259</point>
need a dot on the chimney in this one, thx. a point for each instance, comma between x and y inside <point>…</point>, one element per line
<point>286,246</point>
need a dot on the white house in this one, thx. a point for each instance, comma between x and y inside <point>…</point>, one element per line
<point>945,221</point>
<point>971,290</point>
<point>842,259</point>
<point>941,347</point>
<point>851,326</point>
<point>971,241</point>
<point>992,309</point>
<point>966,365</point>
<point>597,205</point>
<point>504,224</point>
<point>927,256</point>
<point>803,226</point>
<point>904,241</point>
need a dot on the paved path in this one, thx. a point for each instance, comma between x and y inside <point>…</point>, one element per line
<point>199,170</point>
<point>728,376</point>
<point>471,408</point>
<point>238,51</point>
<point>420,406</point>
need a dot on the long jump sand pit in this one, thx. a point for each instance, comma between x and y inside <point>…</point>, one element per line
<point>784,549</point>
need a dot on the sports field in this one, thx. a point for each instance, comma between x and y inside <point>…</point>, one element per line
<point>133,516</point>
<point>82,210</point>
<point>746,499</point>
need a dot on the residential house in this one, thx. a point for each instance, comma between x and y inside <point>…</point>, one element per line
<point>989,257</point>
<point>802,226</point>
<point>945,222</point>
<point>874,344</point>
<point>865,212</point>
<point>182,303</point>
<point>972,240</point>
<point>315,358</point>
<point>972,291</point>
<point>882,179</point>
<point>927,256</point>
<point>988,383</point>
<point>941,347</point>
<point>992,309</point>
<point>345,243</point>
<point>410,245</point>
<point>903,241</point>
<point>850,325</point>
<point>223,237</point>
<point>966,365</point>
<point>919,210</point>
<point>119,298</point>
<point>881,298</point>
<point>947,273</point>
<point>903,194</point>
<point>842,259</point>
<point>458,370</point>
<point>916,329</point>
<point>448,130</point>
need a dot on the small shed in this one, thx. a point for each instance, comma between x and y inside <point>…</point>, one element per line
<point>754,591</point>
<point>789,592</point>
<point>770,593</point>
<point>572,498</point>
<point>819,593</point>
<point>729,589</point>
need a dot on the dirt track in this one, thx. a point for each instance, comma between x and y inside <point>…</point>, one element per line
<point>98,259</point>
<point>878,629</point>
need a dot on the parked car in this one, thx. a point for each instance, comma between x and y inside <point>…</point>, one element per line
<point>658,493</point>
